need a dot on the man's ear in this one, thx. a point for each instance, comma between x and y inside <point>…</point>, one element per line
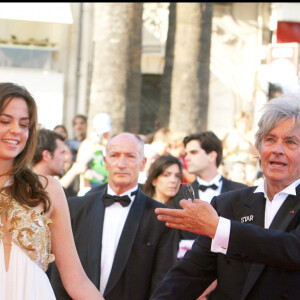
<point>154,182</point>
<point>105,162</point>
<point>143,163</point>
<point>213,156</point>
<point>259,159</point>
<point>46,155</point>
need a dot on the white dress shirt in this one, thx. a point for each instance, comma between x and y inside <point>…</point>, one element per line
<point>114,219</point>
<point>210,193</point>
<point>207,196</point>
<point>221,239</point>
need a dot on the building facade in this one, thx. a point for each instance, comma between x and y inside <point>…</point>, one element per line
<point>53,59</point>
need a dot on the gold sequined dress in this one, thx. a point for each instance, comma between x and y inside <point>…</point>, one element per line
<point>29,236</point>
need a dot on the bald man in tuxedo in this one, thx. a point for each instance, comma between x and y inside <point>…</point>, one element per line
<point>123,248</point>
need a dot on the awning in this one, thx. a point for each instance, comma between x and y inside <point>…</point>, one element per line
<point>39,12</point>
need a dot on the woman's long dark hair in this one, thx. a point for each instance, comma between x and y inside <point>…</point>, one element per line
<point>26,187</point>
<point>157,168</point>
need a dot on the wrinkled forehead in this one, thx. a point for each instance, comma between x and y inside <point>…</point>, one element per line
<point>293,127</point>
<point>126,143</point>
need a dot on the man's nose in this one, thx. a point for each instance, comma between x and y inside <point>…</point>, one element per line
<point>278,147</point>
<point>122,161</point>
<point>174,178</point>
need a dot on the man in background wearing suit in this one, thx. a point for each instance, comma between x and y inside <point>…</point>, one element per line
<point>123,248</point>
<point>203,155</point>
<point>249,239</point>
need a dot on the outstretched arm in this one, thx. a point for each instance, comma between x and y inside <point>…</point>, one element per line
<point>273,247</point>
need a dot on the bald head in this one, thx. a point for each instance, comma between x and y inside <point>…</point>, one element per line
<point>125,137</point>
<point>124,160</point>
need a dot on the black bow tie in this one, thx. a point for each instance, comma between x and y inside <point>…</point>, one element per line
<point>110,199</point>
<point>203,188</point>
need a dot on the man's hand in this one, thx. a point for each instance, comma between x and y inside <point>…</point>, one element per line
<point>197,216</point>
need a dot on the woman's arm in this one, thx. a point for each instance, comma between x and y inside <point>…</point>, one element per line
<point>74,279</point>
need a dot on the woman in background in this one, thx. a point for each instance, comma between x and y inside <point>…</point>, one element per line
<point>62,130</point>
<point>164,178</point>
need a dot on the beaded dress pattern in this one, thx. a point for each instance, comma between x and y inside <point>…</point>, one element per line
<point>29,229</point>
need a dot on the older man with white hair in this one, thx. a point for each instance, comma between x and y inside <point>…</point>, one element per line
<point>249,239</point>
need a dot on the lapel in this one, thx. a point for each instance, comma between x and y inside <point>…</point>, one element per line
<point>281,221</point>
<point>283,218</point>
<point>95,240</point>
<point>126,241</point>
<point>258,212</point>
<point>225,185</point>
<point>252,210</point>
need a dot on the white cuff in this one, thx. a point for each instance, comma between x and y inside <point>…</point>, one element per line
<point>220,242</point>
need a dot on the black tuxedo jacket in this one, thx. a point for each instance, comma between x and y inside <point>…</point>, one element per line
<point>227,186</point>
<point>147,249</point>
<point>260,263</point>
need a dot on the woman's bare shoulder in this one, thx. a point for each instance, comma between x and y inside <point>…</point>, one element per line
<point>48,182</point>
<point>54,190</point>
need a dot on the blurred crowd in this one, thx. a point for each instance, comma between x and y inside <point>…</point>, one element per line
<point>173,159</point>
<point>113,193</point>
<point>83,165</point>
